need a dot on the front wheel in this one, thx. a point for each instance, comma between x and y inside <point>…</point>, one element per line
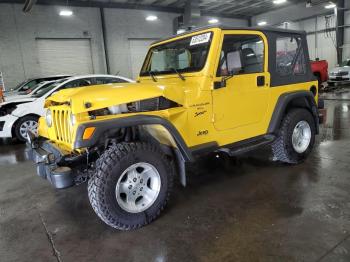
<point>25,124</point>
<point>296,137</point>
<point>131,185</point>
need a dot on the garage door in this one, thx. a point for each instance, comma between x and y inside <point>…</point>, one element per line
<point>64,56</point>
<point>138,51</point>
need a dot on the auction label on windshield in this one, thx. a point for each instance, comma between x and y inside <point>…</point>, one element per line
<point>200,39</point>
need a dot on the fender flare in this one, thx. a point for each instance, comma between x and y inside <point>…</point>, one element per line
<point>305,99</point>
<point>131,121</point>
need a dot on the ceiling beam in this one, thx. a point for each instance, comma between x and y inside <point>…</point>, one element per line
<point>92,3</point>
<point>80,3</point>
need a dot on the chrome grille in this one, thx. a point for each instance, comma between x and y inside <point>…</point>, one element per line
<point>61,124</point>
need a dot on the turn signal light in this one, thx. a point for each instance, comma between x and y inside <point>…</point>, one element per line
<point>88,132</point>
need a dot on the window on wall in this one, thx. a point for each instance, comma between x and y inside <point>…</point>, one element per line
<point>241,54</point>
<point>290,59</point>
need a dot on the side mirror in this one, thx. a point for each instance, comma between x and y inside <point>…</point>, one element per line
<point>220,84</point>
<point>223,81</point>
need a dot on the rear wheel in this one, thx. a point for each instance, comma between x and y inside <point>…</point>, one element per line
<point>131,185</point>
<point>296,137</point>
<point>25,124</point>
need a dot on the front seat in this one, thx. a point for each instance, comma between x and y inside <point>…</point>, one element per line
<point>250,61</point>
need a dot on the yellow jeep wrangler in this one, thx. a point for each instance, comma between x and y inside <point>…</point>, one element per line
<point>215,89</point>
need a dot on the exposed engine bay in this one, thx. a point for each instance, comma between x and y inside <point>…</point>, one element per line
<point>152,104</point>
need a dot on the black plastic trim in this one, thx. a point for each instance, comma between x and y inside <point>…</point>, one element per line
<point>282,104</point>
<point>204,148</point>
<point>138,120</point>
<point>252,143</point>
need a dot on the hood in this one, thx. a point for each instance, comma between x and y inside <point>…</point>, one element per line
<point>18,97</point>
<point>340,68</point>
<point>101,96</point>
<point>16,100</point>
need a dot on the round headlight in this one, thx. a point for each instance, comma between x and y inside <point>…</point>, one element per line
<point>48,118</point>
<point>73,120</point>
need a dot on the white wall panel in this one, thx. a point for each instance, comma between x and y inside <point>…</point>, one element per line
<point>64,56</point>
<point>138,49</point>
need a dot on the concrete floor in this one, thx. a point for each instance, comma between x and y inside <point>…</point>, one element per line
<point>253,210</point>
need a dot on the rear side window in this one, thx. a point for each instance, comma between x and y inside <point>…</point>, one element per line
<point>290,57</point>
<point>108,80</point>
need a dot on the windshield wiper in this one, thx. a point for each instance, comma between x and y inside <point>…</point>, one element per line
<point>152,74</point>
<point>178,73</point>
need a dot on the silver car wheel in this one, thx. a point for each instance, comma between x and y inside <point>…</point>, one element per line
<point>301,136</point>
<point>138,187</point>
<point>26,126</point>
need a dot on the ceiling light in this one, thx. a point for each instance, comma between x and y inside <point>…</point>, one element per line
<point>213,21</point>
<point>330,6</point>
<point>66,12</point>
<point>262,23</point>
<point>151,18</point>
<point>278,2</point>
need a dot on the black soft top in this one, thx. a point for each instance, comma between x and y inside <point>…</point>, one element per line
<point>271,34</point>
<point>265,29</point>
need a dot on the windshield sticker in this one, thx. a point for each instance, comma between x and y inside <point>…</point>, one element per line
<point>200,39</point>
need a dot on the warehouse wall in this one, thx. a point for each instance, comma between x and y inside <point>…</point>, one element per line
<point>19,31</point>
<point>125,25</point>
<point>320,45</point>
<point>18,56</point>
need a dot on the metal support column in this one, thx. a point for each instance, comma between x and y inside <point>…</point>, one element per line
<point>104,35</point>
<point>340,10</point>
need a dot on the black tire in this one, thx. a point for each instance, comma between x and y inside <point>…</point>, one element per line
<point>19,123</point>
<point>110,166</point>
<point>282,147</point>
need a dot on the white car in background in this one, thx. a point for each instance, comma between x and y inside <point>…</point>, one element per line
<point>340,74</point>
<point>26,94</point>
<point>19,115</point>
<point>30,84</point>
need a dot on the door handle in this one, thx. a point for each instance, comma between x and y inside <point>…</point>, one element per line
<point>260,81</point>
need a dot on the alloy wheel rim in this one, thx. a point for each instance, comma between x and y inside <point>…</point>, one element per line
<point>138,187</point>
<point>301,136</point>
<point>26,126</point>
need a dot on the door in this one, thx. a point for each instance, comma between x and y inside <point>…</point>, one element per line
<point>64,56</point>
<point>243,99</point>
<point>138,51</point>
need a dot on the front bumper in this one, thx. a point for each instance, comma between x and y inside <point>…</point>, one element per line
<point>339,79</point>
<point>6,124</point>
<point>47,158</point>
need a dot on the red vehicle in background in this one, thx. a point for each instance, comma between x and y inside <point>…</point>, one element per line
<point>1,96</point>
<point>320,70</point>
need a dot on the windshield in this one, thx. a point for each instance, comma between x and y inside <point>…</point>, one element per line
<point>345,63</point>
<point>185,55</point>
<point>27,85</point>
<point>19,85</point>
<point>46,88</point>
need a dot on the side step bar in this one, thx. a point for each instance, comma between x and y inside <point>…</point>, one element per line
<point>234,149</point>
<point>251,145</point>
